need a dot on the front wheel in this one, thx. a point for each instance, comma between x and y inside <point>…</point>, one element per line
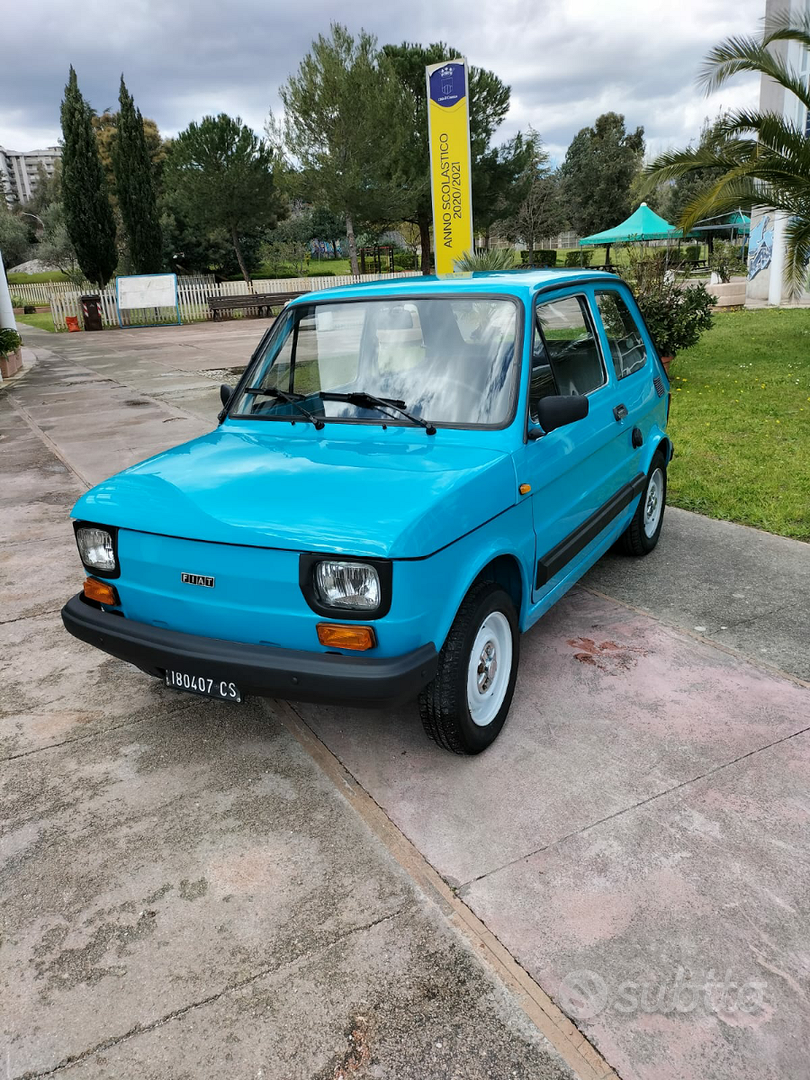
<point>642,533</point>
<point>464,708</point>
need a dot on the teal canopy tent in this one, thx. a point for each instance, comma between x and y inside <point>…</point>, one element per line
<point>735,222</point>
<point>644,224</point>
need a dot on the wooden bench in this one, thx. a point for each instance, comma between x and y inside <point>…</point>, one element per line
<point>260,303</point>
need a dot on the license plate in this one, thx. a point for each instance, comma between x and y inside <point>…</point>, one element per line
<point>221,689</point>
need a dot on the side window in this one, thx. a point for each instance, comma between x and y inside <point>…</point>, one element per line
<point>566,358</point>
<point>624,338</point>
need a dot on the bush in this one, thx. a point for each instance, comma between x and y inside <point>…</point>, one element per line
<point>726,260</point>
<point>578,258</point>
<point>676,314</point>
<point>16,301</point>
<point>483,261</point>
<point>406,260</point>
<point>692,253</point>
<point>322,273</point>
<point>10,341</point>
<point>540,257</point>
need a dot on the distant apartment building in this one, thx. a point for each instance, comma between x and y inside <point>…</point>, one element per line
<point>21,170</point>
<point>766,251</point>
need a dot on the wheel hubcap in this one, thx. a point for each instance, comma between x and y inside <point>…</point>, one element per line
<point>489,668</point>
<point>654,503</point>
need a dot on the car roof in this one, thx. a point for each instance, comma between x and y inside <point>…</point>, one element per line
<point>507,282</point>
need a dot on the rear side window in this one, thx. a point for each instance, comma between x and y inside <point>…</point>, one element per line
<point>566,357</point>
<point>624,337</point>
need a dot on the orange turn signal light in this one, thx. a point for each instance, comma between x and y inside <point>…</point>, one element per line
<point>340,636</point>
<point>100,591</point>
<point>524,489</point>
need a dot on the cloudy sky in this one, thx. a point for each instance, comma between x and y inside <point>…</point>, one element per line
<point>566,61</point>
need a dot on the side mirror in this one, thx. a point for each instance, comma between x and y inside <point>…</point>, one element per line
<point>557,411</point>
<point>225,394</point>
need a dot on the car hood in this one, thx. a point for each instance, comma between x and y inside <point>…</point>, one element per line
<point>396,495</point>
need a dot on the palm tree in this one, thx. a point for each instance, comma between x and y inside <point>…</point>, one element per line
<point>764,157</point>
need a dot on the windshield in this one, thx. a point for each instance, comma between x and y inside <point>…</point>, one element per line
<point>442,359</point>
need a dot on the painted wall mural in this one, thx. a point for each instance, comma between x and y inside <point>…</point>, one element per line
<point>760,247</point>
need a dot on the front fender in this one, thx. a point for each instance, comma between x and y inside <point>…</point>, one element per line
<point>434,587</point>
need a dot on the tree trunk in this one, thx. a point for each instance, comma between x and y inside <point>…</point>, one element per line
<point>607,254</point>
<point>530,246</point>
<point>240,258</point>
<point>352,246</point>
<point>424,240</point>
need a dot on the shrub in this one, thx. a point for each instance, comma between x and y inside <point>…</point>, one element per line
<point>322,273</point>
<point>16,301</point>
<point>726,260</point>
<point>406,260</point>
<point>10,341</point>
<point>676,314</point>
<point>540,257</point>
<point>494,259</point>
<point>692,253</point>
<point>578,258</point>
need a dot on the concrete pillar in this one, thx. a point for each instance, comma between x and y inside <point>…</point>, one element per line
<point>775,287</point>
<point>6,310</point>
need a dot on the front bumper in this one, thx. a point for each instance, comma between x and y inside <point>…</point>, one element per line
<point>256,669</point>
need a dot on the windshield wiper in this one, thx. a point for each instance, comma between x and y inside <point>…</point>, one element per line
<point>365,400</point>
<point>288,399</point>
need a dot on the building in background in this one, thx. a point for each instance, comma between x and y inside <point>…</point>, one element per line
<point>766,251</point>
<point>21,170</point>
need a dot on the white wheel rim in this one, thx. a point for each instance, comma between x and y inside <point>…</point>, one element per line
<point>653,503</point>
<point>489,668</point>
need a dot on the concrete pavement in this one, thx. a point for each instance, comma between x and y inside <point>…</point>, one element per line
<point>635,838</point>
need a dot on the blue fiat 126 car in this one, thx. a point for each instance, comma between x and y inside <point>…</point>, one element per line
<point>407,476</point>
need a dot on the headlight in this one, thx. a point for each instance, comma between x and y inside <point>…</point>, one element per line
<point>352,585</point>
<point>96,548</point>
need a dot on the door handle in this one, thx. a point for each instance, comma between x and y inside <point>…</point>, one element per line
<point>620,412</point>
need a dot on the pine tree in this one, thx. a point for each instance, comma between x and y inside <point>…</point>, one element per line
<point>135,188</point>
<point>88,214</point>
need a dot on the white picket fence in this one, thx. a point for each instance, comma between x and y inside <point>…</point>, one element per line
<point>40,292</point>
<point>192,295</point>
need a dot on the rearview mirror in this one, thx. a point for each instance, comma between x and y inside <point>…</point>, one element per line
<point>225,394</point>
<point>557,411</point>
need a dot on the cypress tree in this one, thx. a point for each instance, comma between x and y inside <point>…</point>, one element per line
<point>88,214</point>
<point>135,188</point>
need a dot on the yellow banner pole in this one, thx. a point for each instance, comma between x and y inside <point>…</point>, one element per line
<point>450,161</point>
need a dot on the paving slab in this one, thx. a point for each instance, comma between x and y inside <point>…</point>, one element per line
<point>741,587</point>
<point>400,1000</point>
<point>677,932</point>
<point>611,708</point>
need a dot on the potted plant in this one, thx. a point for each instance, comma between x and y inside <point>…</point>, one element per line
<point>676,314</point>
<point>10,355</point>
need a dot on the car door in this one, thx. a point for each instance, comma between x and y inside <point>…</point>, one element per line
<point>578,473</point>
<point>630,356</point>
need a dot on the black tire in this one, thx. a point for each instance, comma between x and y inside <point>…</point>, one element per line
<point>634,540</point>
<point>443,703</point>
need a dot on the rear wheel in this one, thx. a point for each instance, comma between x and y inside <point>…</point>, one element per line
<point>642,533</point>
<point>464,708</point>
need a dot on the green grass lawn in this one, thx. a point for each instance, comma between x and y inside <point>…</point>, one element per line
<point>43,319</point>
<point>740,422</point>
<point>32,279</point>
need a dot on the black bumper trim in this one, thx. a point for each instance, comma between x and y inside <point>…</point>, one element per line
<point>256,669</point>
